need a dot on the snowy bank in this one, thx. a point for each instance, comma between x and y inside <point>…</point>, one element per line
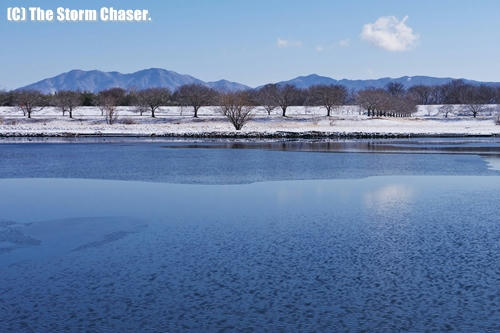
<point>301,122</point>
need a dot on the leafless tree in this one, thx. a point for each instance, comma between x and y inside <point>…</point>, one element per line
<point>455,92</point>
<point>286,96</point>
<point>108,102</point>
<point>67,101</point>
<point>141,109</point>
<point>328,96</point>
<point>372,100</point>
<point>4,98</point>
<point>266,96</point>
<point>379,103</point>
<point>400,106</point>
<point>236,106</point>
<point>196,96</point>
<point>421,94</point>
<point>446,109</point>
<point>436,95</point>
<point>152,99</point>
<point>475,108</point>
<point>29,101</point>
<point>395,89</point>
<point>475,103</point>
<point>486,94</point>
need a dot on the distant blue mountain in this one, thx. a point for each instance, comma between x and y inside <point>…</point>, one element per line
<point>407,81</point>
<point>95,81</point>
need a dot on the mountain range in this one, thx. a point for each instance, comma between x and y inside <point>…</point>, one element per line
<point>95,81</point>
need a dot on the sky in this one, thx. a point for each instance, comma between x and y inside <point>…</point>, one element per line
<point>257,42</point>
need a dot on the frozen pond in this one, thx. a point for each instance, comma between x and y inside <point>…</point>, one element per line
<point>162,236</point>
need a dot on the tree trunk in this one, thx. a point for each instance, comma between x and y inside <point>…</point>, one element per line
<point>71,113</point>
<point>284,111</point>
<point>196,111</point>
<point>153,113</point>
<point>328,111</point>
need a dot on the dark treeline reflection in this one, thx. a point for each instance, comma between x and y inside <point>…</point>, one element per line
<point>225,162</point>
<point>489,146</point>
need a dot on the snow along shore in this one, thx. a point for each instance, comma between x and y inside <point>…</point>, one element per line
<point>347,121</point>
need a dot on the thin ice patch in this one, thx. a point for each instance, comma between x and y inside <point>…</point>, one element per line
<point>493,162</point>
<point>109,238</point>
<point>12,237</point>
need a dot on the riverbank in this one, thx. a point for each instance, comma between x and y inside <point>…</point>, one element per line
<point>301,122</point>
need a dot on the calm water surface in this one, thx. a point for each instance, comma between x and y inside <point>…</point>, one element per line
<point>167,236</point>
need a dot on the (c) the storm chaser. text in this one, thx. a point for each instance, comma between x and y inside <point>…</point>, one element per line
<point>61,14</point>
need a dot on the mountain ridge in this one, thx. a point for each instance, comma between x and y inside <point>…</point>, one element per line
<point>96,80</point>
<point>306,81</point>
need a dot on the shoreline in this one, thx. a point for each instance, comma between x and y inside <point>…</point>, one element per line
<point>301,123</point>
<point>252,135</point>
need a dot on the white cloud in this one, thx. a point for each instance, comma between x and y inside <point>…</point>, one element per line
<point>344,42</point>
<point>320,48</point>
<point>390,34</point>
<point>288,43</point>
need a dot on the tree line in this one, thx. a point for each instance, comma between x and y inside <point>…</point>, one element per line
<point>392,101</point>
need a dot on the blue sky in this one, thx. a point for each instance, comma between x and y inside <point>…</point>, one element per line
<point>255,42</point>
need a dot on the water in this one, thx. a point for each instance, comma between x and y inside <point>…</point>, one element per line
<point>214,163</point>
<point>120,237</point>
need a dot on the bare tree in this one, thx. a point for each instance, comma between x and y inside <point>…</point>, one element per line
<point>421,94</point>
<point>108,102</point>
<point>236,106</point>
<point>380,103</point>
<point>486,94</point>
<point>475,102</point>
<point>196,96</point>
<point>328,96</point>
<point>286,96</point>
<point>455,92</point>
<point>437,95</point>
<point>475,108</point>
<point>4,98</point>
<point>395,89</point>
<point>152,99</point>
<point>266,96</point>
<point>400,106</point>
<point>29,101</point>
<point>372,100</point>
<point>446,109</point>
<point>67,101</point>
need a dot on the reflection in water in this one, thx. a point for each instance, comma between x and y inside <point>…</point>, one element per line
<point>390,200</point>
<point>150,161</point>
<point>437,145</point>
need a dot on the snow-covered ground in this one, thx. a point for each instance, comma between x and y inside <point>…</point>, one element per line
<point>178,121</point>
